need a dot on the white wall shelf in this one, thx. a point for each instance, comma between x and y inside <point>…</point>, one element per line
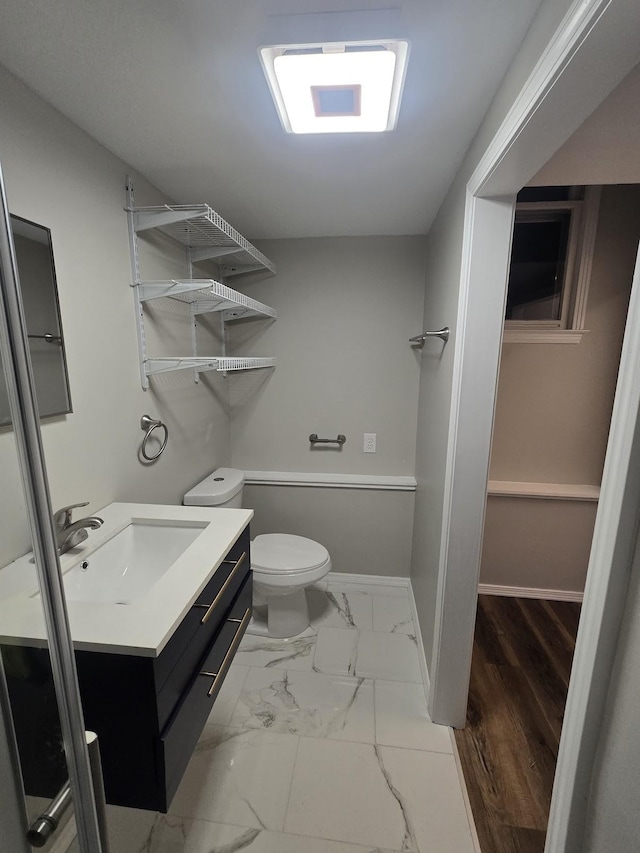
<point>205,296</point>
<point>168,364</point>
<point>207,237</point>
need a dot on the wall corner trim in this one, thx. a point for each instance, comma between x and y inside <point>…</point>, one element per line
<point>400,483</point>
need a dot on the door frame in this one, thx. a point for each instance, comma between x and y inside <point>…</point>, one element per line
<point>591,52</point>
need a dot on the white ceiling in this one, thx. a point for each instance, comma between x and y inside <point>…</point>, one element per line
<point>175,88</point>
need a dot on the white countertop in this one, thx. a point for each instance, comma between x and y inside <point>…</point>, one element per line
<point>145,625</point>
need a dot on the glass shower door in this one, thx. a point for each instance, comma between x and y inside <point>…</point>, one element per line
<point>58,673</point>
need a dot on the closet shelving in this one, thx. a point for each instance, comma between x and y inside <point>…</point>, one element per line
<point>164,365</point>
<point>207,237</point>
<point>206,234</point>
<point>206,296</point>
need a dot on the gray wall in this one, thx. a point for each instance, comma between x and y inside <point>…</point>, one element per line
<point>346,309</point>
<point>366,531</point>
<point>442,281</point>
<point>59,177</point>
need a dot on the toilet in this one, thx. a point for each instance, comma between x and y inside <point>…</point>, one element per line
<point>283,565</point>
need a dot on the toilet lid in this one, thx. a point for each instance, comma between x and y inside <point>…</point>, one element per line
<point>279,553</point>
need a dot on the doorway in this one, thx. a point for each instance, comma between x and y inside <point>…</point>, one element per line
<point>551,106</point>
<point>554,403</point>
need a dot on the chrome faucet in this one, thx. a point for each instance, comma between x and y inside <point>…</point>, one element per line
<point>71,533</point>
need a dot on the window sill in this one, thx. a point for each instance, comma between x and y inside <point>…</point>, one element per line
<point>543,336</point>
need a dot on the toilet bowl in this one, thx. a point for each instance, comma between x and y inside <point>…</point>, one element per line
<point>283,565</point>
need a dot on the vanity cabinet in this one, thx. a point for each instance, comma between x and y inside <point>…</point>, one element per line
<point>148,712</point>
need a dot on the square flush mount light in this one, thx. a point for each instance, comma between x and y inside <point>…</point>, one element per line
<point>337,88</point>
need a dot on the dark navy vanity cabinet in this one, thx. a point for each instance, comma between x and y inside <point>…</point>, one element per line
<point>148,712</point>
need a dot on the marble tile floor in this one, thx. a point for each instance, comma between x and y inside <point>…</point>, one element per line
<point>320,744</point>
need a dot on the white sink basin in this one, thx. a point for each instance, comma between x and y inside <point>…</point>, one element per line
<point>126,566</point>
<point>155,559</point>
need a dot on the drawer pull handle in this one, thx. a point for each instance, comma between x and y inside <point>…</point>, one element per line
<point>211,607</point>
<point>226,662</point>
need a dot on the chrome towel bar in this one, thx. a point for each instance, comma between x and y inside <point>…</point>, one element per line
<point>313,438</point>
<point>443,334</point>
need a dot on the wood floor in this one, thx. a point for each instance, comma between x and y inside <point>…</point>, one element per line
<point>522,656</point>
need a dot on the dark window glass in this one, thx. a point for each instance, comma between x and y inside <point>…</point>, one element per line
<point>546,194</point>
<point>536,274</point>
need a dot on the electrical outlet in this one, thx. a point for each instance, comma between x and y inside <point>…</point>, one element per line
<point>369,444</point>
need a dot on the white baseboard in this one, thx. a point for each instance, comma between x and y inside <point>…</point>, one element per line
<point>530,592</point>
<point>370,580</point>
<point>465,794</point>
<point>424,669</point>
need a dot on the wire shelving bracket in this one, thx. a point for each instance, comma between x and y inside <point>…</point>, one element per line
<point>206,233</point>
<point>206,236</point>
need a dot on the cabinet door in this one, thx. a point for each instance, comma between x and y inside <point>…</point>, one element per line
<point>199,626</point>
<point>178,740</point>
<point>227,580</point>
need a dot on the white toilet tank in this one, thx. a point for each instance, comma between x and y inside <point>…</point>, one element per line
<point>222,488</point>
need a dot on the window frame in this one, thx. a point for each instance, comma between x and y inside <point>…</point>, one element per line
<point>583,223</point>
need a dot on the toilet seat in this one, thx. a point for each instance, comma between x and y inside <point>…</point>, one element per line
<point>285,554</point>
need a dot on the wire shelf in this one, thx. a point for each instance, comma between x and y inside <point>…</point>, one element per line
<point>245,363</point>
<point>205,296</point>
<point>207,234</point>
<point>154,366</point>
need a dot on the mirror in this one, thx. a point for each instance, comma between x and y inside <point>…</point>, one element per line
<point>34,255</point>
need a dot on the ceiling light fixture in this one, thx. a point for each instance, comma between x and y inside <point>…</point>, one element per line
<point>352,87</point>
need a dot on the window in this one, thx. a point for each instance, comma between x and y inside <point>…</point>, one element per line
<point>552,248</point>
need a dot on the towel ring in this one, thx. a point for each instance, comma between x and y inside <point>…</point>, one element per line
<point>149,424</point>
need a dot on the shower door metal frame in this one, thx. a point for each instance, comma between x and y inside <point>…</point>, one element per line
<point>14,351</point>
